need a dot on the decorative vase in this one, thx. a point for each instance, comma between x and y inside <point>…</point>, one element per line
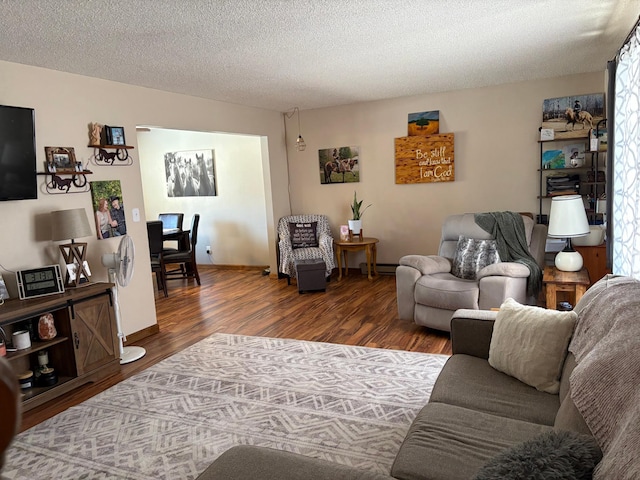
<point>355,226</point>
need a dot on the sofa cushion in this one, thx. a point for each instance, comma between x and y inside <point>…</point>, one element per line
<point>245,462</point>
<point>443,290</point>
<point>446,442</point>
<point>470,382</point>
<point>530,343</point>
<point>552,455</point>
<point>472,255</point>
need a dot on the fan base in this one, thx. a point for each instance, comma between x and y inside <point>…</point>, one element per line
<point>131,354</point>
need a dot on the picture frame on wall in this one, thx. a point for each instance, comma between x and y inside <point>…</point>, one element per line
<point>114,135</point>
<point>60,159</point>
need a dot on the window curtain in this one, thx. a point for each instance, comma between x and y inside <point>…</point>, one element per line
<point>626,161</point>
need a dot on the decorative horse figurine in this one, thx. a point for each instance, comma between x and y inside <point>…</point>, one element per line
<point>61,183</point>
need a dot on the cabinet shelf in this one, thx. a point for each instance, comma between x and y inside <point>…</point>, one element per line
<point>33,392</point>
<point>36,347</point>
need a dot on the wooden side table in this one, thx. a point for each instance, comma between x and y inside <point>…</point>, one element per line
<point>555,281</point>
<point>368,244</point>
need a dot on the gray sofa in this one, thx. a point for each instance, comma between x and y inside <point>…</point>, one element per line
<point>474,413</point>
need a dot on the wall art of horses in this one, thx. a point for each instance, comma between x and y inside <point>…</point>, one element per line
<point>190,173</point>
<point>339,165</point>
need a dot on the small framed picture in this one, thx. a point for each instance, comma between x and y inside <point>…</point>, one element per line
<point>60,159</point>
<point>114,135</point>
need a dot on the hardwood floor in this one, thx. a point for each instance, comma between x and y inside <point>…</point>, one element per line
<point>353,311</point>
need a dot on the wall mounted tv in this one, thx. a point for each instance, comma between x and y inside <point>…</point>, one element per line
<point>18,179</point>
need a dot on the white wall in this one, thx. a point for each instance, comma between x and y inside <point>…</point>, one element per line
<point>64,105</point>
<point>496,160</point>
<point>233,223</point>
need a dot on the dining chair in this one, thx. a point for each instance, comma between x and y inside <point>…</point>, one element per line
<point>187,259</point>
<point>171,221</point>
<point>154,233</point>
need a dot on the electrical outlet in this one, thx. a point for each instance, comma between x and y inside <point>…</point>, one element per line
<point>208,250</point>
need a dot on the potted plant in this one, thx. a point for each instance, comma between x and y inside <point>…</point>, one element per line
<point>355,224</point>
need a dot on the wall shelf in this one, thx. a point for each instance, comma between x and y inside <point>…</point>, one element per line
<point>109,154</point>
<point>61,182</point>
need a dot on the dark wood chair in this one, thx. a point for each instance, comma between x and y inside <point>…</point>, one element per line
<point>10,406</point>
<point>154,233</point>
<point>171,221</point>
<point>187,259</point>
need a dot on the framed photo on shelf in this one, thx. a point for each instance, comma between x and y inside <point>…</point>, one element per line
<point>60,159</point>
<point>114,135</point>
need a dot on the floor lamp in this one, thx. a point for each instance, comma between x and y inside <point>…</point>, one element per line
<point>72,224</point>
<point>568,219</point>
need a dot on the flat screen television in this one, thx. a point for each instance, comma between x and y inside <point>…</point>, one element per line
<point>18,180</point>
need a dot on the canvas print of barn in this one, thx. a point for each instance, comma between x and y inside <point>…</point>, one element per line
<point>574,116</point>
<point>339,165</point>
<point>190,173</point>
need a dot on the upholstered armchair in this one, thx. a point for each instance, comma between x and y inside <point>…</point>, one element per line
<point>467,272</point>
<point>321,248</point>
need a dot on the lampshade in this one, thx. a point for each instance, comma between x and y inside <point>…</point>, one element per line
<point>69,224</point>
<point>568,219</point>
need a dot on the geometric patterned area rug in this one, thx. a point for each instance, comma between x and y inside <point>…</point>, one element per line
<point>349,405</point>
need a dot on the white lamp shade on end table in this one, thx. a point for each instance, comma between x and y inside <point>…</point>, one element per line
<point>568,219</point>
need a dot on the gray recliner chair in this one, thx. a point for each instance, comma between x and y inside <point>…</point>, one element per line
<point>428,293</point>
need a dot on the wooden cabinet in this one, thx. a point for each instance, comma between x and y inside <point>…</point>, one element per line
<point>85,348</point>
<point>595,261</point>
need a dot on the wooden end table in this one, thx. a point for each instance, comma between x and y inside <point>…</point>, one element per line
<point>555,281</point>
<point>368,244</point>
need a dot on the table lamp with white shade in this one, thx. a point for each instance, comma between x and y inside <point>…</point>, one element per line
<point>69,225</point>
<point>568,219</point>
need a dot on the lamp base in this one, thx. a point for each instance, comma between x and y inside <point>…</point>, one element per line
<point>568,261</point>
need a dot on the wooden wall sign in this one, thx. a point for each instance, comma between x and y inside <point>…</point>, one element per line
<point>425,159</point>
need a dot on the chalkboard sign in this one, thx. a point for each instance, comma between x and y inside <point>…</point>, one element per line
<point>303,234</point>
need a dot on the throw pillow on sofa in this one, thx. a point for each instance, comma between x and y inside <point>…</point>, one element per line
<point>550,456</point>
<point>530,344</point>
<point>472,255</point>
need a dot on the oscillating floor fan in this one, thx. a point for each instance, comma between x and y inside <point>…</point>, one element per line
<point>120,265</point>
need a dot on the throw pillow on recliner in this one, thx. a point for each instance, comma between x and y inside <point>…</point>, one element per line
<point>472,255</point>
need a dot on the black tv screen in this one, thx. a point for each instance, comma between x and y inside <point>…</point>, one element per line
<point>18,179</point>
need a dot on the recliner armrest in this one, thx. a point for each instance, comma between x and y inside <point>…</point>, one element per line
<point>504,269</point>
<point>471,332</point>
<point>427,264</point>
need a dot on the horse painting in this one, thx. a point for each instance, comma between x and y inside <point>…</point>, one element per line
<point>582,117</point>
<point>339,166</point>
<point>206,188</point>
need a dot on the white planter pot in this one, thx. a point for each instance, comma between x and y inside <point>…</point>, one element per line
<point>355,226</point>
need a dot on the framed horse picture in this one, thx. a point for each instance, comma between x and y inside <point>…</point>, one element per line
<point>573,116</point>
<point>190,173</point>
<point>339,165</point>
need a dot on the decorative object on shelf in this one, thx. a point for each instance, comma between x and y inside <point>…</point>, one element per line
<point>45,376</point>
<point>120,265</point>
<point>567,219</point>
<point>546,134</point>
<point>114,136</point>
<point>108,206</point>
<point>426,159</point>
<point>60,159</point>
<point>572,117</point>
<point>95,134</point>
<point>38,282</point>
<point>574,155</point>
<point>46,327</point>
<point>191,173</point>
<point>344,233</point>
<point>424,123</point>
<point>300,145</point>
<point>21,340</point>
<point>72,224</point>
<point>339,165</point>
<point>355,224</point>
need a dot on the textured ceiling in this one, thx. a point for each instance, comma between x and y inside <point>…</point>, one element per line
<point>277,54</point>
